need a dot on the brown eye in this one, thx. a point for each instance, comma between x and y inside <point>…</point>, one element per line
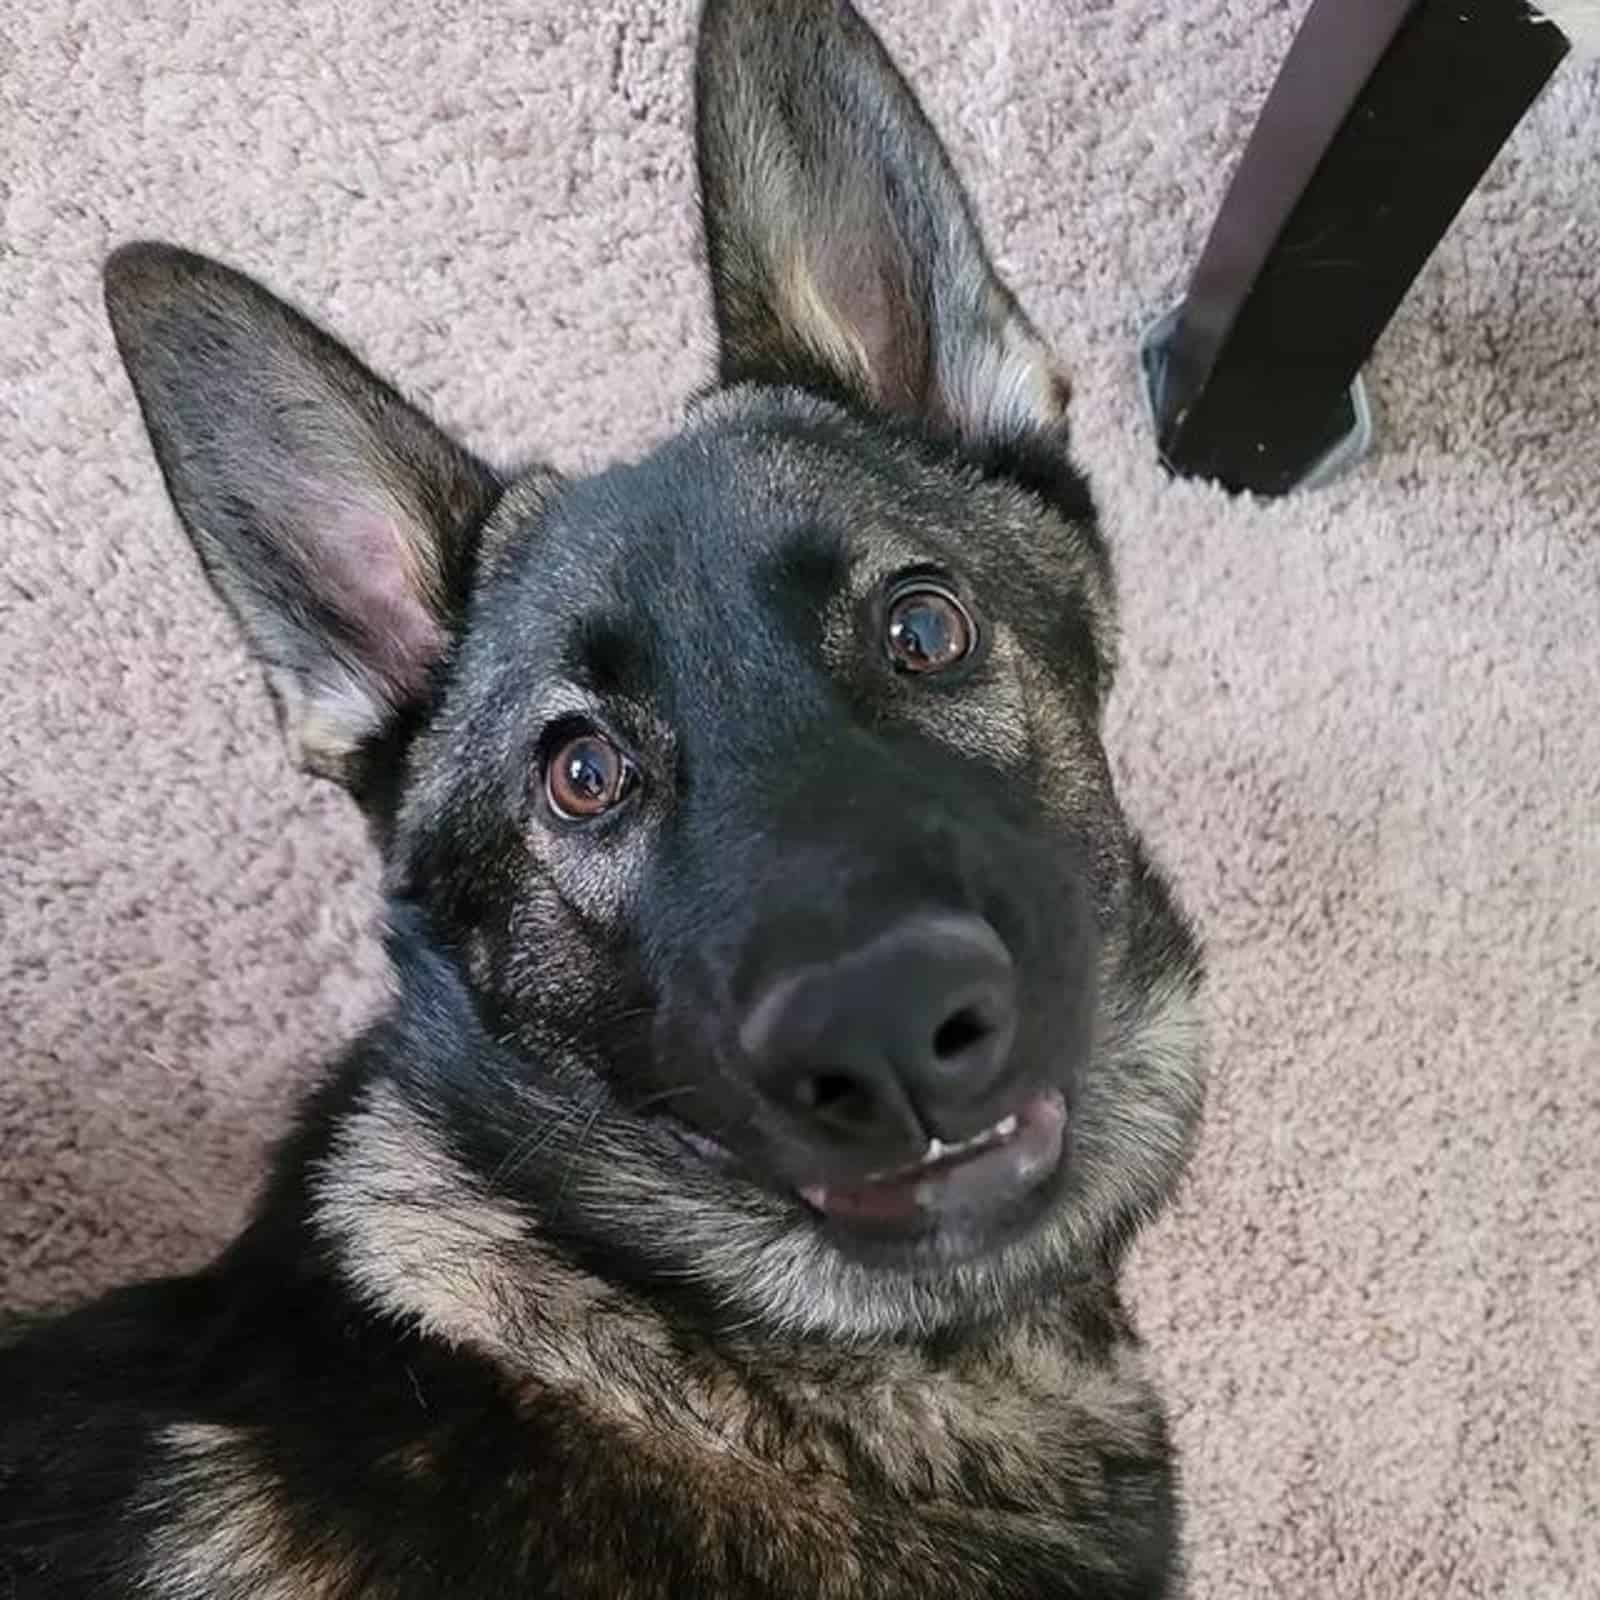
<point>929,630</point>
<point>586,775</point>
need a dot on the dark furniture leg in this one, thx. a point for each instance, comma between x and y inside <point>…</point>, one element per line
<point>1383,119</point>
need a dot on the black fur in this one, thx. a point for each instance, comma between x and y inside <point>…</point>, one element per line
<point>551,1292</point>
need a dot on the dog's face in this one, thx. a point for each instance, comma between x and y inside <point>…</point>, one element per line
<point>756,789</point>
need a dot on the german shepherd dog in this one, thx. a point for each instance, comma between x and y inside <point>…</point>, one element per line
<point>789,1031</point>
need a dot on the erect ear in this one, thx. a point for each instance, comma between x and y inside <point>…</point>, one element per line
<point>843,251</point>
<point>332,516</point>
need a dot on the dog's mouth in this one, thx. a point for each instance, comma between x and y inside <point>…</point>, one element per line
<point>1001,1171</point>
<point>994,1167</point>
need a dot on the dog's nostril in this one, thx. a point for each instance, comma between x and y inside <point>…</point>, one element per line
<point>833,1093</point>
<point>958,1034</point>
<point>823,1089</point>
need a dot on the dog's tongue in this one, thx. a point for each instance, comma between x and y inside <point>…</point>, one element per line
<point>1004,1160</point>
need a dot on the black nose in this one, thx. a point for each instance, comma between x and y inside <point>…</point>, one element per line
<point>897,1041</point>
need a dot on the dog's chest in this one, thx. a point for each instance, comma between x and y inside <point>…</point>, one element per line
<point>836,1480</point>
<point>814,1477</point>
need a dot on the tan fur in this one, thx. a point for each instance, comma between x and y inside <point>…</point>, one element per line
<point>420,1243</point>
<point>1041,1412</point>
<point>992,727</point>
<point>1160,1036</point>
<point>803,305</point>
<point>998,376</point>
<point>223,1532</point>
<point>773,199</point>
<point>323,729</point>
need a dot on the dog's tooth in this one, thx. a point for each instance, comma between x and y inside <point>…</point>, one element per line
<point>1005,1127</point>
<point>936,1149</point>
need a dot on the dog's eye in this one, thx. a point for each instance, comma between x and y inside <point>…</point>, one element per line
<point>929,630</point>
<point>585,776</point>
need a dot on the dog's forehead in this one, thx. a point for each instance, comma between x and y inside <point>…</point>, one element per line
<point>751,507</point>
<point>721,580</point>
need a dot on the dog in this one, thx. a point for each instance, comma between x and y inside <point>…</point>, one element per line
<point>789,1030</point>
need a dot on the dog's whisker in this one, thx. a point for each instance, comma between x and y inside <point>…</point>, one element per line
<point>661,1097</point>
<point>538,1140</point>
<point>571,1162</point>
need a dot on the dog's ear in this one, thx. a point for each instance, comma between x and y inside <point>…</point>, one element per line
<point>332,516</point>
<point>843,251</point>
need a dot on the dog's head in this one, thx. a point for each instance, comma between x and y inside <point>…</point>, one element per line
<point>755,790</point>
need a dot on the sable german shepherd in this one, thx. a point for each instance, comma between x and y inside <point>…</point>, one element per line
<point>790,1032</point>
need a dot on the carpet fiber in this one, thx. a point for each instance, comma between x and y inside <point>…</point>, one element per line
<point>1361,726</point>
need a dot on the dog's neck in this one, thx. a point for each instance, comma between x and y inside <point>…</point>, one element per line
<point>425,1246</point>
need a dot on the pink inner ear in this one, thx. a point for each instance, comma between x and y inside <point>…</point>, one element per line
<point>366,564</point>
<point>862,271</point>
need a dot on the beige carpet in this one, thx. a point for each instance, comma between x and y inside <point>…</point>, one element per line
<point>1361,726</point>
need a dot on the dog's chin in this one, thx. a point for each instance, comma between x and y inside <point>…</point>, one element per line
<point>956,1204</point>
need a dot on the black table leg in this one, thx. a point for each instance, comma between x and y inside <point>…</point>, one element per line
<point>1384,117</point>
